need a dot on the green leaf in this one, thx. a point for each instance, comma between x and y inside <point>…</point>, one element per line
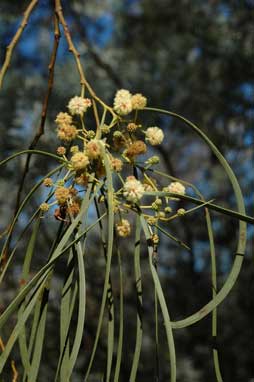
<point>110,236</point>
<point>163,305</point>
<point>221,295</point>
<point>121,318</point>
<point>138,284</point>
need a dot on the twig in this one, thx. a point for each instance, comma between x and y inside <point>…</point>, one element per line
<point>72,48</point>
<point>14,371</point>
<point>40,131</point>
<point>96,116</point>
<point>84,83</point>
<point>15,40</point>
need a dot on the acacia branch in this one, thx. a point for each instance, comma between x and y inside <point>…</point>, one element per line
<point>40,131</point>
<point>15,40</point>
<point>72,48</point>
<point>83,81</point>
<point>41,128</point>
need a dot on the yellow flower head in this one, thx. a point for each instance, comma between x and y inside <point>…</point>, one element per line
<point>79,161</point>
<point>62,194</point>
<point>138,101</point>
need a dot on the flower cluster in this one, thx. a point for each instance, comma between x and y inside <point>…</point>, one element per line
<point>66,131</point>
<point>120,146</point>
<point>125,102</point>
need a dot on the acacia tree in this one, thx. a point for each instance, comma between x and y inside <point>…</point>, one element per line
<point>106,180</point>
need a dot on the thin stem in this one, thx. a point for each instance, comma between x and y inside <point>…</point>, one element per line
<point>83,81</point>
<point>14,41</point>
<point>41,127</point>
<point>215,207</point>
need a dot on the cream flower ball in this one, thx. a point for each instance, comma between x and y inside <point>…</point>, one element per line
<point>79,105</point>
<point>123,228</point>
<point>133,189</point>
<point>123,102</point>
<point>79,161</point>
<point>176,188</point>
<point>138,101</point>
<point>154,135</point>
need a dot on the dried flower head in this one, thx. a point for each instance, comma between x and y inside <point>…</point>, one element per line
<point>63,119</point>
<point>118,140</point>
<point>154,135</point>
<point>123,228</point>
<point>82,179</point>
<point>100,170</point>
<point>136,148</point>
<point>176,188</point>
<point>48,182</point>
<point>116,164</point>
<point>79,161</point>
<point>61,150</point>
<point>67,132</point>
<point>138,101</point>
<point>74,208</point>
<point>73,192</point>
<point>79,105</point>
<point>62,194</point>
<point>122,102</point>
<point>133,189</point>
<point>44,207</point>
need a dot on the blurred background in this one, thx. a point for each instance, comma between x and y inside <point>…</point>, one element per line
<point>191,57</point>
